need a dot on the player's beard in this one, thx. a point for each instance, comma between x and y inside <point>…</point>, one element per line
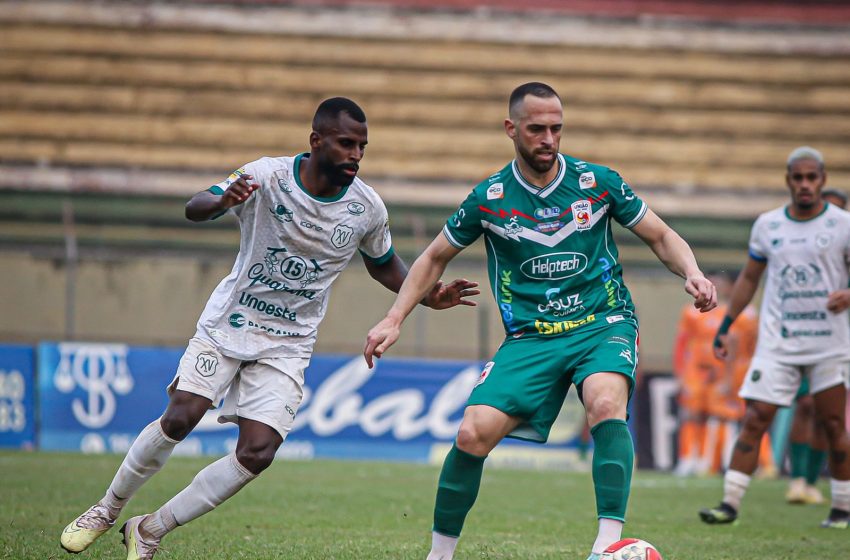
<point>336,173</point>
<point>533,162</point>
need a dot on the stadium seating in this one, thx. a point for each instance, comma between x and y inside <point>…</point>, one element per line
<point>668,120</point>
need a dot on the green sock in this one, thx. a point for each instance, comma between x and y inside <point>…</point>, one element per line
<point>613,461</point>
<point>456,491</point>
<point>815,465</point>
<point>798,455</point>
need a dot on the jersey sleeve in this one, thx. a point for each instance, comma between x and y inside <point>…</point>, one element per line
<point>464,226</point>
<point>758,242</point>
<point>377,244</point>
<point>219,189</point>
<point>626,207</point>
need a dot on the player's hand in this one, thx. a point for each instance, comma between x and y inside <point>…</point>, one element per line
<point>444,296</point>
<point>703,292</point>
<point>238,191</point>
<point>838,301</point>
<point>721,348</point>
<point>380,338</point>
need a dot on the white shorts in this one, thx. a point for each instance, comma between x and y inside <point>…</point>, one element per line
<point>775,382</point>
<point>268,390</point>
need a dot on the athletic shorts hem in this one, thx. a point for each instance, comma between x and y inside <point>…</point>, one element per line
<point>182,385</point>
<point>283,431</point>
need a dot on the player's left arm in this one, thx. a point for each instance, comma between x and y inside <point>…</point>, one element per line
<point>391,274</point>
<point>677,256</point>
<point>839,301</point>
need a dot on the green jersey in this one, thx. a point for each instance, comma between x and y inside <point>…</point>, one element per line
<point>552,262</point>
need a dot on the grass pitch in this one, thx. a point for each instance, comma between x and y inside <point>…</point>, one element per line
<point>353,510</point>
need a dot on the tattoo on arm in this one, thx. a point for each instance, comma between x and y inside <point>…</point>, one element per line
<point>744,447</point>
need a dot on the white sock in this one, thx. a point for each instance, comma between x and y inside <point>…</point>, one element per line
<point>734,487</point>
<point>146,456</point>
<point>442,547</point>
<point>609,533</point>
<point>210,487</point>
<point>840,490</point>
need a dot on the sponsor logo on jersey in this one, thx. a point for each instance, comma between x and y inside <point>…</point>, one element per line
<point>272,330</point>
<point>311,225</point>
<point>548,227</point>
<point>756,375</point>
<point>292,267</point>
<point>554,266</point>
<point>356,208</point>
<point>236,320</point>
<point>269,309</point>
<point>627,355</point>
<point>608,281</point>
<point>582,215</point>
<point>283,184</point>
<point>547,213</point>
<point>822,240</point>
<point>776,243</point>
<point>581,165</point>
<point>484,373</point>
<point>512,228</point>
<point>587,180</point>
<point>496,191</point>
<point>257,276</point>
<point>281,213</point>
<point>506,299</point>
<point>558,327</point>
<point>341,235</point>
<point>206,364</point>
<point>623,187</point>
<point>561,306</point>
<point>615,318</point>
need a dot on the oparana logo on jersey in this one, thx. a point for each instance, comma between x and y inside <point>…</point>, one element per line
<point>495,191</point>
<point>281,213</point>
<point>554,266</point>
<point>283,184</point>
<point>587,180</point>
<point>356,208</point>
<point>236,320</point>
<point>341,235</point>
<point>581,214</point>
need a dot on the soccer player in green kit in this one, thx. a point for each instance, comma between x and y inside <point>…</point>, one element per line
<point>568,317</point>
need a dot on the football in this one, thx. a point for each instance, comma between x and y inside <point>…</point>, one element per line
<point>631,549</point>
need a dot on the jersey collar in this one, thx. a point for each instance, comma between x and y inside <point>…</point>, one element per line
<point>548,189</point>
<point>296,172</point>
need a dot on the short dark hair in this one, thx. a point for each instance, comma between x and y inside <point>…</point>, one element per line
<point>537,89</point>
<point>327,114</point>
<point>836,193</point>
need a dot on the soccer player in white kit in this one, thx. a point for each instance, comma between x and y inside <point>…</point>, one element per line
<point>302,219</point>
<point>803,329</point>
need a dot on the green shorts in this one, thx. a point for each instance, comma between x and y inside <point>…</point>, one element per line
<point>529,377</point>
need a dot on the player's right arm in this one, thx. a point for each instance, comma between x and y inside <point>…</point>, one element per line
<point>209,204</point>
<point>421,278</point>
<point>745,285</point>
<point>461,229</point>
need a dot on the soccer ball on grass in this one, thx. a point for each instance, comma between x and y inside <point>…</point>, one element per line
<point>631,549</point>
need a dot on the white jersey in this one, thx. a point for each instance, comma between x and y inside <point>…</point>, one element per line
<point>293,246</point>
<point>806,261</point>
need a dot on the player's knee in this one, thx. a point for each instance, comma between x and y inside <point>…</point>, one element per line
<point>605,407</point>
<point>471,440</point>
<point>805,408</point>
<point>176,425</point>
<point>256,457</point>
<point>755,421</point>
<point>832,426</point>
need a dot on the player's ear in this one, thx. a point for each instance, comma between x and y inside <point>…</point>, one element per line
<point>510,129</point>
<point>315,140</point>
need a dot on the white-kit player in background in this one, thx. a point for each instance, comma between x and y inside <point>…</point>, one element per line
<point>302,219</point>
<point>803,329</point>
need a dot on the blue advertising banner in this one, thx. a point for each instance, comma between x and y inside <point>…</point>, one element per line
<point>97,397</point>
<point>17,397</point>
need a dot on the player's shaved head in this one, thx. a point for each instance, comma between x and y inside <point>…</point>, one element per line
<point>536,89</point>
<point>329,111</point>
